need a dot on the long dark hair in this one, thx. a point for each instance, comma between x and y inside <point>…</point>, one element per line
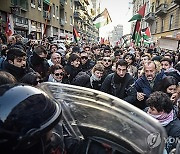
<point>166,82</point>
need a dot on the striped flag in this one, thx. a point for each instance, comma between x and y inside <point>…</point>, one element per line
<point>137,33</point>
<point>76,35</point>
<point>146,34</point>
<point>102,19</point>
<point>8,30</point>
<point>140,14</point>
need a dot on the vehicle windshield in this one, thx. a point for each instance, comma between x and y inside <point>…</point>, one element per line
<point>93,113</point>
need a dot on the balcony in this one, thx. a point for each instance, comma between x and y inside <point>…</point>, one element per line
<point>22,4</point>
<point>79,2</point>
<point>62,22</point>
<point>78,14</point>
<point>150,17</point>
<point>62,2</point>
<point>87,2</point>
<point>83,8</point>
<point>177,2</point>
<point>46,15</point>
<point>86,22</point>
<point>161,9</point>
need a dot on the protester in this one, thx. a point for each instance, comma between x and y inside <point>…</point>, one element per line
<point>6,78</point>
<point>161,108</point>
<point>73,66</point>
<point>32,78</point>
<point>130,58</point>
<point>16,64</point>
<point>120,83</point>
<point>93,80</point>
<point>57,74</point>
<point>147,83</point>
<point>39,62</point>
<point>86,64</point>
<point>168,85</point>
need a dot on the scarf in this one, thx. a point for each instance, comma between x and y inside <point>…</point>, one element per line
<point>118,79</point>
<point>93,78</point>
<point>164,118</point>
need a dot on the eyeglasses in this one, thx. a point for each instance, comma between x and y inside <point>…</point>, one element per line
<point>59,74</point>
<point>84,57</point>
<point>108,60</point>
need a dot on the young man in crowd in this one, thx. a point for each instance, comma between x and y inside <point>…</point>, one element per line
<point>120,83</point>
<point>160,107</point>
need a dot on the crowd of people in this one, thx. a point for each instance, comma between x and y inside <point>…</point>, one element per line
<point>140,76</point>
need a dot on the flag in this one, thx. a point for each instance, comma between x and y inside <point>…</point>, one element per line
<point>76,35</point>
<point>137,33</point>
<point>102,19</point>
<point>140,14</point>
<point>102,41</point>
<point>8,30</point>
<point>146,34</point>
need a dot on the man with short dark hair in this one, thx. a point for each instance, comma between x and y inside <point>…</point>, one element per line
<point>86,64</point>
<point>166,64</point>
<point>16,63</point>
<point>107,52</point>
<point>120,83</point>
<point>160,107</point>
<point>39,62</point>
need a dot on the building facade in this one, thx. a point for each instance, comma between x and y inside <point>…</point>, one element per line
<point>116,34</point>
<point>163,18</point>
<point>54,18</point>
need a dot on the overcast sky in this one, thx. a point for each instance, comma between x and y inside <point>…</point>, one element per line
<point>120,12</point>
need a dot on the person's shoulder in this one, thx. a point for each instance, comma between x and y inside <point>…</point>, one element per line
<point>111,75</point>
<point>129,76</point>
<point>161,75</point>
<point>141,79</point>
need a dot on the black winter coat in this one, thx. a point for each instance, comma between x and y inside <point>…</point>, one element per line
<point>39,65</point>
<point>17,72</point>
<point>124,89</point>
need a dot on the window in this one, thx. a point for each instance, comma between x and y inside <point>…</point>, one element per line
<point>162,25</point>
<point>33,2</point>
<point>39,3</point>
<point>156,25</point>
<point>157,3</point>
<point>171,22</point>
<point>53,9</point>
<point>71,20</point>
<point>65,16</point>
<point>152,7</point>
<point>57,11</point>
<point>71,4</point>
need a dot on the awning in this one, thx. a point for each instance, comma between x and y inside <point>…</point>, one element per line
<point>47,2</point>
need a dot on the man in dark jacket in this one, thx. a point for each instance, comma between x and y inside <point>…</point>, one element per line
<point>86,64</point>
<point>147,83</point>
<point>120,83</point>
<point>161,108</point>
<point>39,62</point>
<point>15,63</point>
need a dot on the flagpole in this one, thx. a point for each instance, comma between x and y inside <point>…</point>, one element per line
<point>98,27</point>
